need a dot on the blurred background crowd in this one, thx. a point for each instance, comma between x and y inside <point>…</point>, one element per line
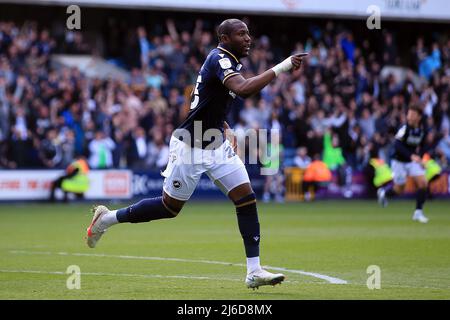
<point>351,88</point>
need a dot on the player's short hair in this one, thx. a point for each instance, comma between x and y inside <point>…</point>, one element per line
<point>416,108</point>
<point>227,27</point>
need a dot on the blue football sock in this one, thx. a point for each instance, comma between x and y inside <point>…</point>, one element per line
<point>247,216</point>
<point>146,210</point>
<point>421,196</point>
<point>390,191</point>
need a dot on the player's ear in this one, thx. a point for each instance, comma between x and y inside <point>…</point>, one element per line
<point>224,38</point>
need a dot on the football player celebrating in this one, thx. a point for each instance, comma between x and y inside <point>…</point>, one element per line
<point>219,81</point>
<point>407,161</point>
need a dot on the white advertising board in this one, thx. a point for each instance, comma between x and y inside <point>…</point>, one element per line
<point>35,184</point>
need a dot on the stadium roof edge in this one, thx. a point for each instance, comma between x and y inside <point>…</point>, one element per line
<point>148,6</point>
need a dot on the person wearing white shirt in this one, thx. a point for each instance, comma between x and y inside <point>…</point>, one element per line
<point>302,160</point>
<point>158,152</point>
<point>101,151</point>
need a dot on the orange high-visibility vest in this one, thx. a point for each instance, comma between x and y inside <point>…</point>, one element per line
<point>317,171</point>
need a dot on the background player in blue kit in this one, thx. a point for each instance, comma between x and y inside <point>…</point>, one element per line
<point>218,83</point>
<point>407,161</point>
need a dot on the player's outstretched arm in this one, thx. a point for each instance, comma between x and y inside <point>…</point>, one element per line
<point>247,87</point>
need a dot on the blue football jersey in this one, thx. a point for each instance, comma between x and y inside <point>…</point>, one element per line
<point>211,100</point>
<point>408,141</point>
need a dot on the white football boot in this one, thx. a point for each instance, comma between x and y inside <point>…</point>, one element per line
<point>419,216</point>
<point>382,200</point>
<point>262,277</point>
<point>96,228</point>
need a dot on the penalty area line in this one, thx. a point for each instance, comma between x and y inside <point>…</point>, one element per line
<point>329,279</point>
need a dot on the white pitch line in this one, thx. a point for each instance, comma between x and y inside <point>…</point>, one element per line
<point>312,274</point>
<point>117,275</point>
<point>329,279</point>
<point>127,275</point>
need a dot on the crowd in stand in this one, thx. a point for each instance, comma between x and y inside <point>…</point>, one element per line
<point>48,116</point>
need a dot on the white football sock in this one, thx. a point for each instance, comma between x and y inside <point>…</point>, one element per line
<point>253,264</point>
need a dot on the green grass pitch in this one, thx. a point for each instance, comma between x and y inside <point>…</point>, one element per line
<point>200,255</point>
